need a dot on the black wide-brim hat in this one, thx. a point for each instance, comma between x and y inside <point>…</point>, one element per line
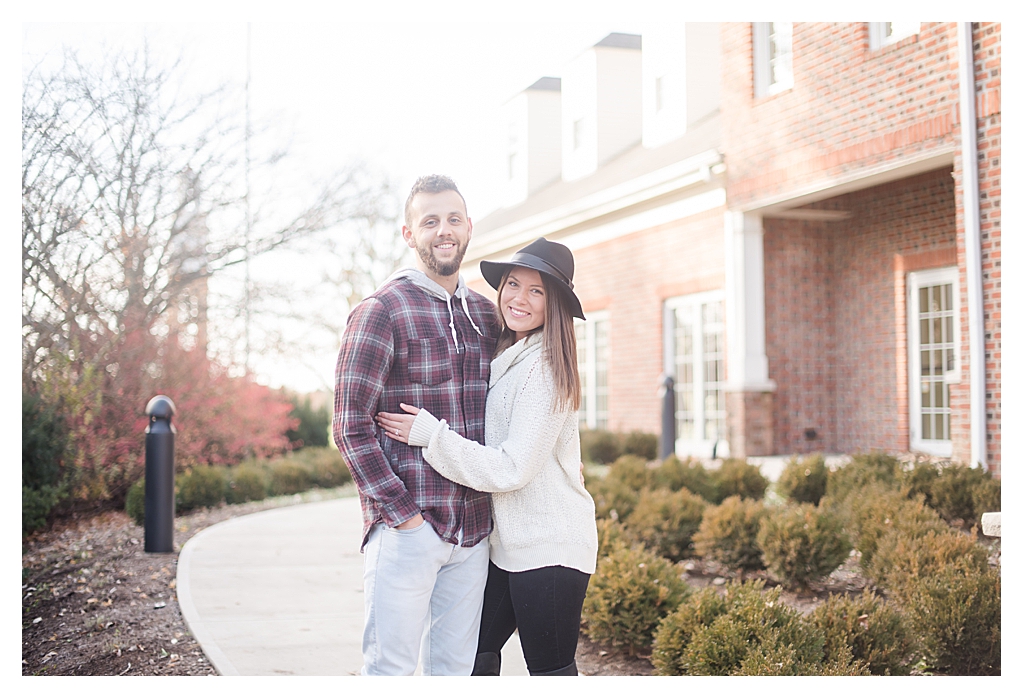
<point>552,259</point>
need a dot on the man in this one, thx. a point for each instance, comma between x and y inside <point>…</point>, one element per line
<point>422,338</point>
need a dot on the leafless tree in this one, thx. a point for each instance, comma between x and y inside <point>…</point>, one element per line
<point>132,193</point>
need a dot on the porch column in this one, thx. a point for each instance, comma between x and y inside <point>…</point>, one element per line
<point>749,391</point>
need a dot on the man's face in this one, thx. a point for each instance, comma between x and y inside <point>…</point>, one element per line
<point>440,231</point>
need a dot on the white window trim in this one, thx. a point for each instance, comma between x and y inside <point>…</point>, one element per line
<point>914,281</point>
<point>588,410</point>
<point>878,40</point>
<point>694,447</point>
<point>762,85</point>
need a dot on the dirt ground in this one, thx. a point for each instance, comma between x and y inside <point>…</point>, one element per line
<point>94,603</point>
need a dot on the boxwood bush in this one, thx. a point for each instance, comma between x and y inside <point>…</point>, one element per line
<point>737,477</point>
<point>802,543</point>
<point>675,631</point>
<point>728,534</point>
<point>665,521</point>
<point>905,556</point>
<point>630,592</point>
<point>674,474</point>
<point>640,443</point>
<point>135,502</point>
<point>957,614</point>
<point>201,486</point>
<point>864,469</point>
<point>245,484</point>
<point>874,632</point>
<point>877,509</point>
<point>599,446</point>
<point>804,479</point>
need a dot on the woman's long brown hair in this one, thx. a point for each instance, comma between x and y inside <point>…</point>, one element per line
<point>558,342</point>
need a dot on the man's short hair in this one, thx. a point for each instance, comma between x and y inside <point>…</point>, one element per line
<point>429,184</point>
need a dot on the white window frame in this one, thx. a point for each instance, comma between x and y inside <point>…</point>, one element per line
<point>588,415</point>
<point>914,281</point>
<point>764,83</point>
<point>700,446</point>
<point>879,33</point>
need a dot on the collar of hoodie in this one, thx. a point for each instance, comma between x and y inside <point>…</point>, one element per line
<point>424,282</point>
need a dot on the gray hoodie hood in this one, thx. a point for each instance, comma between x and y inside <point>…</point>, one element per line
<point>424,282</point>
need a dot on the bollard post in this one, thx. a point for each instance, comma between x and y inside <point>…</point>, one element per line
<point>159,519</point>
<point>667,393</point>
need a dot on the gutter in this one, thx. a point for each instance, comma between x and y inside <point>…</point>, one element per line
<point>971,223</point>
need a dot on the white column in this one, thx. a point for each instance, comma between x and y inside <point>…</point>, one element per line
<point>744,303</point>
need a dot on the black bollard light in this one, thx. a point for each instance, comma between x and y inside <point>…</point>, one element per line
<point>667,393</point>
<point>160,476</point>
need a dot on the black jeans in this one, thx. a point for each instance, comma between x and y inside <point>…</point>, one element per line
<point>545,604</point>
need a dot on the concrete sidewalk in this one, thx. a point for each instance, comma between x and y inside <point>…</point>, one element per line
<point>279,592</point>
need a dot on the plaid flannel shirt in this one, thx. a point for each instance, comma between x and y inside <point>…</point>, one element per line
<point>398,347</point>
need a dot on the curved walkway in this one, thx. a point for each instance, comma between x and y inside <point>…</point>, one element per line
<point>279,592</point>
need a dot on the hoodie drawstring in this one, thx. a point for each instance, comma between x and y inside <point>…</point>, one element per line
<point>465,307</point>
<point>451,324</point>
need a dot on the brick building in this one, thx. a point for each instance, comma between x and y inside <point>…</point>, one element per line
<point>780,217</point>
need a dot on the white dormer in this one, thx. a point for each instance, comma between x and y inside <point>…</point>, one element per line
<point>601,104</point>
<point>533,153</point>
<point>681,75</point>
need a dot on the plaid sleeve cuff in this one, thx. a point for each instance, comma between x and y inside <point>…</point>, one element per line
<point>423,428</point>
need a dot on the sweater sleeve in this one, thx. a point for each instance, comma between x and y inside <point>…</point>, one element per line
<point>533,433</point>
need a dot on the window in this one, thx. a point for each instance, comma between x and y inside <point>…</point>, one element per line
<point>933,300</point>
<point>594,352</point>
<point>772,57</point>
<point>694,354</point>
<point>887,33</point>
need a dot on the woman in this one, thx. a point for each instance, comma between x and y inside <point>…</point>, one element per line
<point>544,545</point>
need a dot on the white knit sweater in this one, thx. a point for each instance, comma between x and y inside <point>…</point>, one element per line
<point>543,515</point>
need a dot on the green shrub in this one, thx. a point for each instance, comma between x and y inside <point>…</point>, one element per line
<point>773,658</point>
<point>864,469</point>
<point>987,497</point>
<point>631,591</point>
<point>631,471</point>
<point>872,630</point>
<point>287,477</point>
<point>756,623</point>
<point>674,474</point>
<point>640,443</point>
<point>611,498</point>
<point>804,479</point>
<point>956,491</point>
<point>677,628</point>
<point>737,477</point>
<point>665,521</point>
<point>36,505</point>
<point>904,556</point>
<point>610,533</point>
<point>313,425</point>
<point>918,479</point>
<point>802,543</point>
<point>44,445</point>
<point>877,509</point>
<point>135,502</point>
<point>325,466</point>
<point>202,486</point>
<point>599,446</point>
<point>728,534</point>
<point>245,484</point>
<point>957,616</point>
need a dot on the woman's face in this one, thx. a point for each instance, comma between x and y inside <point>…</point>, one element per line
<point>523,301</point>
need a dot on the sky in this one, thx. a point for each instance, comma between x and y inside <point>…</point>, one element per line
<point>408,91</point>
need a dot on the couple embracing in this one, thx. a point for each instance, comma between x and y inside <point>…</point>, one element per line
<point>459,423</point>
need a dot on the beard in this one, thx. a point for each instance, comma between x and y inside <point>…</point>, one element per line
<point>438,267</point>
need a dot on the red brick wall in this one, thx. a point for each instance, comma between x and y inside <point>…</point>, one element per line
<point>630,277</point>
<point>850,108</point>
<point>835,314</point>
<point>987,74</point>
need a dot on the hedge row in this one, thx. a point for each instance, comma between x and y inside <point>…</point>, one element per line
<point>943,611</point>
<point>251,480</point>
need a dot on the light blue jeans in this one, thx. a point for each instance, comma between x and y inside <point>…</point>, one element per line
<point>424,597</point>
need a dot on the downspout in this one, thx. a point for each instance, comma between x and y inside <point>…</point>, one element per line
<point>971,223</point>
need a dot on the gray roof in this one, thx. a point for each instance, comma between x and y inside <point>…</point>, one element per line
<point>632,163</point>
<point>618,40</point>
<point>546,84</point>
